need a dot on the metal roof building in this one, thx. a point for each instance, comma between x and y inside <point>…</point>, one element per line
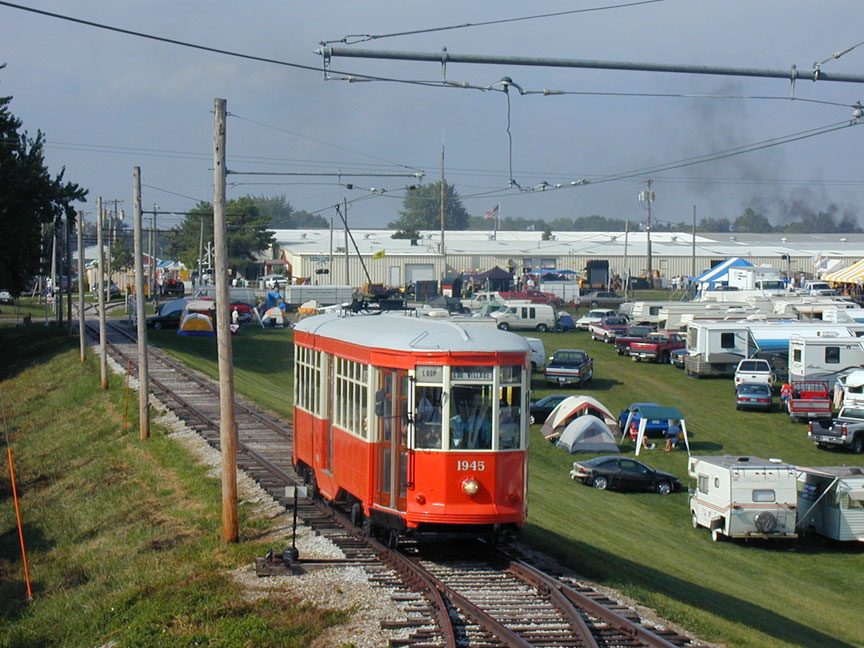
<point>398,261</point>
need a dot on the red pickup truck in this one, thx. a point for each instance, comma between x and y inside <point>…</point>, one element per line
<point>633,334</point>
<point>656,347</point>
<point>809,399</point>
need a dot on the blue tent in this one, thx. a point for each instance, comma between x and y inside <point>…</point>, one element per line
<point>719,274</point>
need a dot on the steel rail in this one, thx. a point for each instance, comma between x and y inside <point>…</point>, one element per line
<point>625,626</point>
<point>548,584</point>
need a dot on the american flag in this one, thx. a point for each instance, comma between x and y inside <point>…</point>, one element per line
<point>492,213</point>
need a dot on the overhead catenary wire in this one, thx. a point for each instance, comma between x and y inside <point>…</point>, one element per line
<point>353,39</point>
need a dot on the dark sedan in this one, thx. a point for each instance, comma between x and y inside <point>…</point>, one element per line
<point>623,474</point>
<point>170,320</point>
<point>602,299</point>
<point>754,396</point>
<point>541,409</point>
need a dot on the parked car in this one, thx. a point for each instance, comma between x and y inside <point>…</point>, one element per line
<point>603,299</point>
<point>540,410</point>
<point>656,347</point>
<point>624,474</point>
<point>172,287</point>
<point>569,366</point>
<point>653,428</point>
<point>610,327</point>
<point>113,290</point>
<point>538,353</point>
<point>276,281</point>
<point>6,297</point>
<point>676,358</point>
<point>633,334</point>
<point>169,320</point>
<point>593,317</point>
<point>752,370</point>
<point>754,396</point>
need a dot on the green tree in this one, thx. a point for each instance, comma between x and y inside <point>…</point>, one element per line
<point>29,198</point>
<point>122,257</point>
<point>421,209</point>
<point>750,221</point>
<point>247,233</point>
<point>714,225</point>
<point>281,215</point>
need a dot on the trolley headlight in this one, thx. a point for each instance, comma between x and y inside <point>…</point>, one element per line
<point>470,487</point>
<point>420,498</point>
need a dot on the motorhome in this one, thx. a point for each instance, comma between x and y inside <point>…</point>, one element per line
<point>677,315</point>
<point>648,312</point>
<point>824,358</point>
<point>743,496</point>
<point>715,348</point>
<point>831,501</point>
<point>811,307</point>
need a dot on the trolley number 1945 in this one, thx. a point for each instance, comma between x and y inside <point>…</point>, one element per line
<point>471,465</point>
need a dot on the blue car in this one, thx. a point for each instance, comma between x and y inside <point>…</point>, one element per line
<point>654,428</point>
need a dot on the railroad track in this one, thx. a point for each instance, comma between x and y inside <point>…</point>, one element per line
<point>481,597</point>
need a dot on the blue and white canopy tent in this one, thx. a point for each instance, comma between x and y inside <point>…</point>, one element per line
<point>719,274</point>
<point>650,412</point>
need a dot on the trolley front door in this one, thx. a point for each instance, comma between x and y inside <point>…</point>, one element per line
<point>392,409</point>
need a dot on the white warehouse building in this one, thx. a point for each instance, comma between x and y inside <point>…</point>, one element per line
<point>396,262</point>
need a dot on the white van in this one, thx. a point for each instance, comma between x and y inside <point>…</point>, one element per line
<point>538,353</point>
<point>532,317</point>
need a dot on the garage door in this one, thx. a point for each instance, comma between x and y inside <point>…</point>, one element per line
<point>419,272</point>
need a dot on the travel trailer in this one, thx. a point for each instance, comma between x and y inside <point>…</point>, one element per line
<point>831,501</point>
<point>715,348</point>
<point>824,358</point>
<point>743,497</point>
<point>648,312</point>
<point>768,280</point>
<point>677,315</point>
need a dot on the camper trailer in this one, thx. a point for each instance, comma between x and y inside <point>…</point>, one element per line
<point>677,315</point>
<point>715,348</point>
<point>743,497</point>
<point>648,312</point>
<point>824,358</point>
<point>768,280</point>
<point>831,501</point>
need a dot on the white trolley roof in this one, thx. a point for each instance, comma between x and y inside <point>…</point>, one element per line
<point>412,334</point>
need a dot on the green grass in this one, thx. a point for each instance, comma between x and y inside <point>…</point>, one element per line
<point>756,594</point>
<point>122,535</point>
<point>743,594</point>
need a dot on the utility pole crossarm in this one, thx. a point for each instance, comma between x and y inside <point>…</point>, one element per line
<point>792,74</point>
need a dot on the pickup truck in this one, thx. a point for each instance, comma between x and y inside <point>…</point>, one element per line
<point>569,366</point>
<point>608,328</point>
<point>633,334</point>
<point>846,430</point>
<point>751,370</point>
<point>656,347</point>
<point>808,399</point>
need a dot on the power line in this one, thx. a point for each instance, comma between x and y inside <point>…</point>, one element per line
<point>353,39</point>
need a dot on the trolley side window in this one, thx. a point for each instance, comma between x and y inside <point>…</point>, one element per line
<point>427,419</point>
<point>351,391</point>
<point>307,379</point>
<point>510,408</point>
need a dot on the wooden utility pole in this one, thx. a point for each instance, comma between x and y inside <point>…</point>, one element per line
<point>649,197</point>
<point>103,341</point>
<point>82,338</point>
<point>68,263</point>
<point>200,250</point>
<point>227,422</point>
<point>141,315</point>
<point>626,266</point>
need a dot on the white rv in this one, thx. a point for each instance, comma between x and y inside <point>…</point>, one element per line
<point>715,348</point>
<point>743,497</point>
<point>677,315</point>
<point>831,501</point>
<point>648,312</point>
<point>824,358</point>
<point>765,279</point>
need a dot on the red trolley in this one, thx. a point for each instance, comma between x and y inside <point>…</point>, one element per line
<point>416,426</point>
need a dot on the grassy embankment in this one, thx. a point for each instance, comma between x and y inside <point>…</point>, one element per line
<point>122,535</point>
<point>743,594</point>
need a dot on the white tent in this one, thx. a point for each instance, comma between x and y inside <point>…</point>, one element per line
<point>572,407</point>
<point>587,434</point>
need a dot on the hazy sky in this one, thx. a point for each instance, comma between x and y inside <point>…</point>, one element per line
<point>109,101</point>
